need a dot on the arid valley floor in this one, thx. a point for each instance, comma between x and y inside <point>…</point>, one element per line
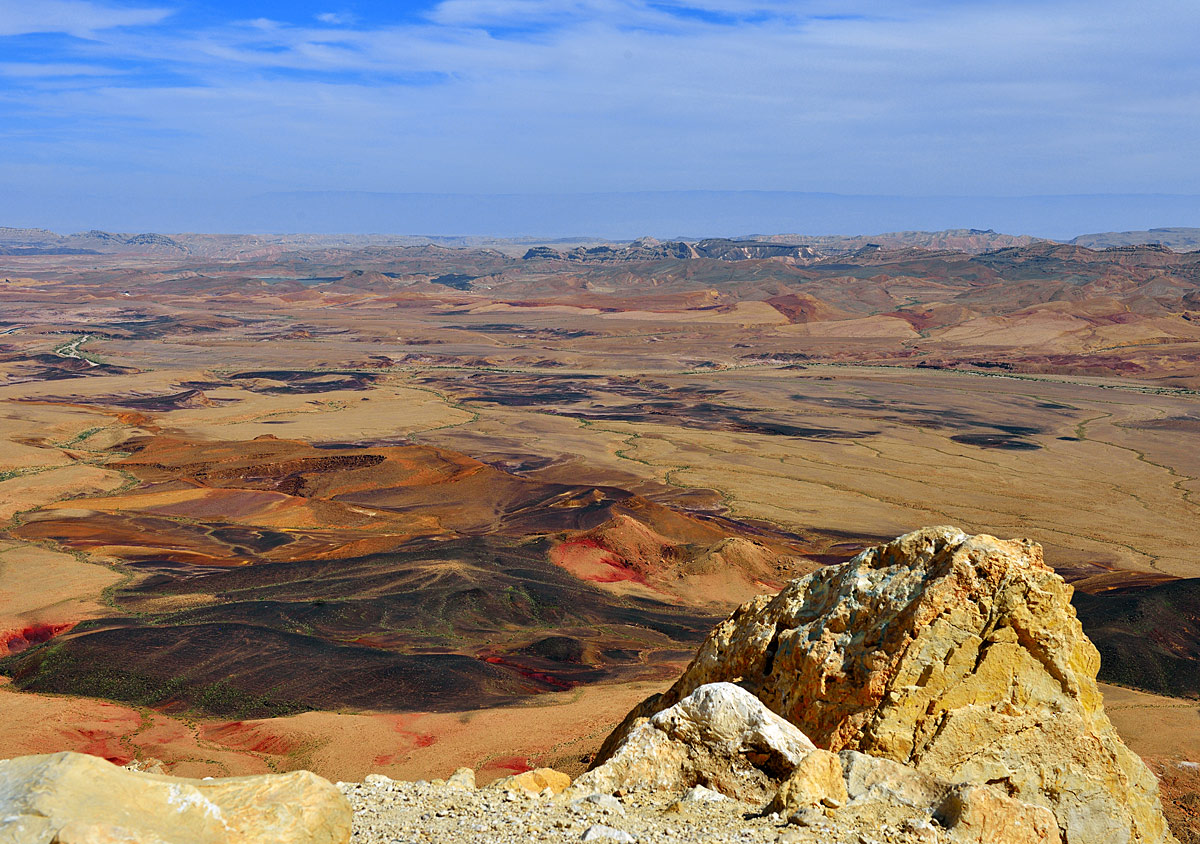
<point>377,506</point>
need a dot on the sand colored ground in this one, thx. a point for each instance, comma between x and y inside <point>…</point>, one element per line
<point>559,730</point>
<point>1136,512</point>
<point>556,729</point>
<point>40,587</point>
<point>1154,726</point>
<point>389,412</point>
<point>878,326</point>
<point>24,492</point>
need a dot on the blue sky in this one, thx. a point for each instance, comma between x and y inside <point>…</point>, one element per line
<point>126,114</point>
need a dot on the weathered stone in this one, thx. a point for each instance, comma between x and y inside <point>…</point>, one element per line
<point>22,829</point>
<point>872,778</point>
<point>958,655</point>
<point>694,797</point>
<point>807,816</point>
<point>816,781</point>
<point>977,814</point>
<point>700,794</point>
<point>535,782</point>
<point>149,765</point>
<point>74,798</point>
<point>719,736</point>
<point>76,832</point>
<point>600,832</point>
<point>463,778</point>
<point>921,830</point>
<point>604,802</point>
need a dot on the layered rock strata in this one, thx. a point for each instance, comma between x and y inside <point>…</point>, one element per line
<point>957,655</point>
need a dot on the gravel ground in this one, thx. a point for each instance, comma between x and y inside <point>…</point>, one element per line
<point>395,812</point>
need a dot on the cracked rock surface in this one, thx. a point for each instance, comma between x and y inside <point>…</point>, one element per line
<point>957,655</point>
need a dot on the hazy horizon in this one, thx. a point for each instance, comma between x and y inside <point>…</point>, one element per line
<point>623,216</point>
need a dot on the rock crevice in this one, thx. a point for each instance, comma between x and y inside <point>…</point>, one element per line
<point>958,656</point>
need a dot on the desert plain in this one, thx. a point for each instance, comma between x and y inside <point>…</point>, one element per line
<point>398,506</point>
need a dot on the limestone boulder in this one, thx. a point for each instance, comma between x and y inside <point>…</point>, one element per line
<point>958,655</point>
<point>978,814</point>
<point>534,782</point>
<point>719,736</point>
<point>872,779</point>
<point>971,814</point>
<point>817,781</point>
<point>72,798</point>
<point>696,797</point>
<point>462,778</point>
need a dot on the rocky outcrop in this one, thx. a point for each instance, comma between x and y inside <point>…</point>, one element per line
<point>71,798</point>
<point>958,656</point>
<point>872,779</point>
<point>978,814</point>
<point>817,781</point>
<point>537,781</point>
<point>719,736</point>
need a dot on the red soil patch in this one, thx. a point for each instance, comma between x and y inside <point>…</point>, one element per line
<point>529,673</point>
<point>588,560</point>
<point>802,308</point>
<point>105,735</point>
<point>15,641</point>
<point>410,739</point>
<point>511,764</point>
<point>103,744</point>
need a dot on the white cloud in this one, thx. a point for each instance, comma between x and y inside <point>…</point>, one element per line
<point>336,18</point>
<point>80,18</point>
<point>921,97</point>
<point>47,70</point>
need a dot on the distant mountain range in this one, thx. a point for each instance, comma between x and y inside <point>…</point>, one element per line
<point>1178,239</point>
<point>36,241</point>
<point>46,242</point>
<point>648,248</point>
<point>797,247</point>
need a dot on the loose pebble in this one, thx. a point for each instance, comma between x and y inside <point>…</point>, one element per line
<point>395,812</point>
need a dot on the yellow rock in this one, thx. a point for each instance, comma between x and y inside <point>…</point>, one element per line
<point>816,781</point>
<point>958,655</point>
<point>981,815</point>
<point>535,781</point>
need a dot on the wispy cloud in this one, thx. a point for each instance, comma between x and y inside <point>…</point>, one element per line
<point>908,97</point>
<point>80,18</point>
<point>44,70</point>
<point>336,18</point>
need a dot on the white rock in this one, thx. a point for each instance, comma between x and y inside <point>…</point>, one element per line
<point>700,794</point>
<point>728,717</point>
<point>720,734</point>
<point>463,778</point>
<point>605,802</point>
<point>600,832</point>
